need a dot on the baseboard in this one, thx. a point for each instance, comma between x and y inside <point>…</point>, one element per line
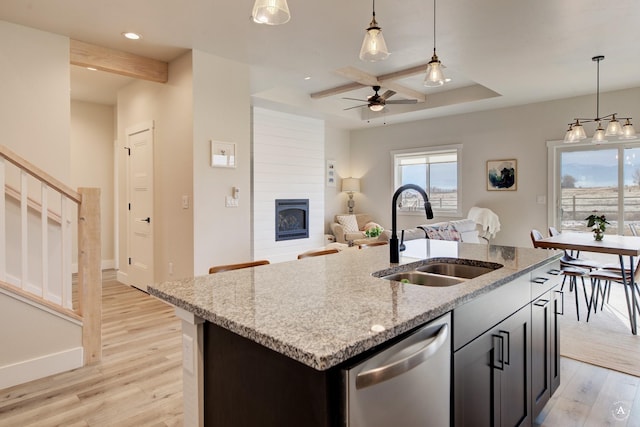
<point>40,367</point>
<point>122,277</point>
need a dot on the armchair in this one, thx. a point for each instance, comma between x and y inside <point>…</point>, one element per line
<point>348,228</point>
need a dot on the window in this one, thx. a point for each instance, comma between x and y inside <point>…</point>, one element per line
<point>603,178</point>
<point>436,169</point>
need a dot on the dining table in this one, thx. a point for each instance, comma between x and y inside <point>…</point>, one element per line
<point>622,246</point>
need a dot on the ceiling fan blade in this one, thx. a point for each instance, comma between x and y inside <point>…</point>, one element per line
<point>356,99</point>
<point>356,106</point>
<point>403,101</point>
<point>388,94</point>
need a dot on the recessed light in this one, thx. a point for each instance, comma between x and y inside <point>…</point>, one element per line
<point>92,69</point>
<point>308,78</point>
<point>132,36</point>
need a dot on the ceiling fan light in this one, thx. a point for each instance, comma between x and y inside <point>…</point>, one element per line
<point>613,128</point>
<point>435,76</point>
<point>376,107</point>
<point>271,12</point>
<point>374,47</point>
<point>628,132</point>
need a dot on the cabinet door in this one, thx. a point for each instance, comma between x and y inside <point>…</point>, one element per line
<point>515,379</point>
<point>541,352</point>
<point>475,394</point>
<point>492,376</point>
<point>557,311</point>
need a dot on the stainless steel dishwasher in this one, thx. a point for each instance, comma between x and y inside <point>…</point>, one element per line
<point>407,384</point>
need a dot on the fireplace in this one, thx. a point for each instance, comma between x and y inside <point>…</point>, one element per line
<point>292,219</point>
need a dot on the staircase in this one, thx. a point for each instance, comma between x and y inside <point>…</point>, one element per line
<point>48,322</point>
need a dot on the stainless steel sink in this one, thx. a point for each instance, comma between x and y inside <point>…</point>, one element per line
<point>456,270</point>
<point>424,279</point>
<point>438,272</point>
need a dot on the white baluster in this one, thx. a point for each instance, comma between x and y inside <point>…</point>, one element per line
<point>44,220</point>
<point>24,225</point>
<point>65,242</point>
<point>3,226</point>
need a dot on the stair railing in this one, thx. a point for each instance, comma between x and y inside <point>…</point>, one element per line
<point>20,268</point>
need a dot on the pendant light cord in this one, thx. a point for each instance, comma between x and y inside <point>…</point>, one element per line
<point>434,27</point>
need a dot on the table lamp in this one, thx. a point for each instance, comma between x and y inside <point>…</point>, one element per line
<point>350,185</point>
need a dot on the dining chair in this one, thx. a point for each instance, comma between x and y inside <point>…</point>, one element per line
<point>228,267</point>
<point>318,253</point>
<point>571,272</point>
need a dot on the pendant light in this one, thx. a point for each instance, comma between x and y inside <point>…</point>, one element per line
<point>435,76</point>
<point>271,12</point>
<point>576,131</point>
<point>373,46</point>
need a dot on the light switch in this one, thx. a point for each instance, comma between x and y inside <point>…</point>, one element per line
<point>185,201</point>
<point>230,202</point>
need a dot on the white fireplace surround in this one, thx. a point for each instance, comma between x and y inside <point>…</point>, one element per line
<point>288,163</point>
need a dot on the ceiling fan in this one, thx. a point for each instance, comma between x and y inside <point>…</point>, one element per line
<point>377,102</point>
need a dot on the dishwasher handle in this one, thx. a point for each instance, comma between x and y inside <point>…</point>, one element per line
<point>383,373</point>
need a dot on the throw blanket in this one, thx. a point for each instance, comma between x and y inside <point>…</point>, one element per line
<point>441,231</point>
<point>487,219</point>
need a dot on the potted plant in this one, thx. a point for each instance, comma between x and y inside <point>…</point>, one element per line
<point>374,231</point>
<point>598,224</point>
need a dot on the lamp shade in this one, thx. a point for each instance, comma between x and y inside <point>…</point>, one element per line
<point>351,184</point>
<point>271,12</point>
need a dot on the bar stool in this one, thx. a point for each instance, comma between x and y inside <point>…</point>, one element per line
<point>228,267</point>
<point>318,253</point>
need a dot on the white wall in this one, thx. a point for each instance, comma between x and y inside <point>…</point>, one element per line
<point>517,133</point>
<point>288,163</point>
<point>222,112</point>
<point>170,106</point>
<point>92,139</point>
<point>34,106</point>
<point>337,147</point>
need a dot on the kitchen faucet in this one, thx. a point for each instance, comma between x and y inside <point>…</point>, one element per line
<point>394,250</point>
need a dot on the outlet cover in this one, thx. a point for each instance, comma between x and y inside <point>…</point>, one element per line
<point>230,202</point>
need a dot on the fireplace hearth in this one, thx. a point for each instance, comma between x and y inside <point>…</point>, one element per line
<point>292,219</point>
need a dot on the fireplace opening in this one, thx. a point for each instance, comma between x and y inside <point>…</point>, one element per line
<point>292,219</point>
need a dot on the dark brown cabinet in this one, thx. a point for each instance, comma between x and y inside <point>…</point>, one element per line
<point>492,376</point>
<point>545,347</point>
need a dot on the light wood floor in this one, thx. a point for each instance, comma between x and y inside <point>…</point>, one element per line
<point>139,381</point>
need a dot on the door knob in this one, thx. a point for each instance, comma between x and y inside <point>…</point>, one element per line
<point>147,220</point>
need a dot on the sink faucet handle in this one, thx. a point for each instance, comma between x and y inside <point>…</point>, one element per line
<point>402,246</point>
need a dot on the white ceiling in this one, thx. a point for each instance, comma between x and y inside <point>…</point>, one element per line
<point>509,52</point>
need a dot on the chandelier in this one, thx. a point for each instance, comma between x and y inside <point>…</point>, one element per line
<point>576,131</point>
<point>271,12</point>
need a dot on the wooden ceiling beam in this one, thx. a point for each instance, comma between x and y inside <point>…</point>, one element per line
<point>118,62</point>
<point>387,81</point>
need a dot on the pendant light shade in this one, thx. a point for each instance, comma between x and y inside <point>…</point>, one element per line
<point>373,47</point>
<point>435,75</point>
<point>271,12</point>
<point>576,130</point>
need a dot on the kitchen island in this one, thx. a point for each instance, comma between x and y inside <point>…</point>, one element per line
<point>324,311</point>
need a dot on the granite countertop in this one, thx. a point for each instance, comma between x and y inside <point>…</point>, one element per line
<point>324,310</point>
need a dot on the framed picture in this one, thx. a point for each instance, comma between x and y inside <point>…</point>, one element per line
<point>502,175</point>
<point>331,173</point>
<point>223,154</point>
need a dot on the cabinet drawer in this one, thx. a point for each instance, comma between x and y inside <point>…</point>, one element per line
<point>482,313</point>
<point>545,278</point>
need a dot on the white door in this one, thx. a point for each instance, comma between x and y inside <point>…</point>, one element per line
<point>140,207</point>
